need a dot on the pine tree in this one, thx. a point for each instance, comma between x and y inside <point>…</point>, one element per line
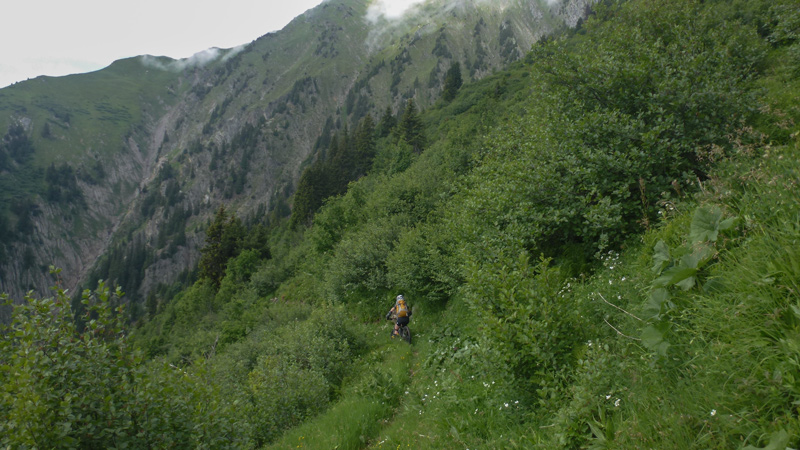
<point>151,304</point>
<point>365,146</point>
<point>223,241</point>
<point>387,123</point>
<point>410,127</point>
<point>306,197</point>
<point>350,157</point>
<point>342,164</point>
<point>452,82</point>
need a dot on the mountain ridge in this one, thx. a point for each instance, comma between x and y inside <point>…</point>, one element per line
<point>130,121</point>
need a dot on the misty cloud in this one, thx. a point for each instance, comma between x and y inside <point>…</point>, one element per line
<point>199,59</point>
<point>390,18</point>
<point>395,10</point>
<point>389,9</point>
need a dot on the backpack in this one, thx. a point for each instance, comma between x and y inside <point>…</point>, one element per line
<point>401,309</point>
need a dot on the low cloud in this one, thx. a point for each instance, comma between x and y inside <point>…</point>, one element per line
<point>199,59</point>
<point>389,9</point>
<point>390,17</point>
<point>396,10</point>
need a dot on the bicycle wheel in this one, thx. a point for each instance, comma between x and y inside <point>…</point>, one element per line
<point>405,333</point>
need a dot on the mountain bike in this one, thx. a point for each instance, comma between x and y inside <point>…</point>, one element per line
<point>402,330</point>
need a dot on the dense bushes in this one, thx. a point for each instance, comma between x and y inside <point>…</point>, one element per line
<point>287,370</point>
<point>63,387</point>
<point>569,243</point>
<point>633,117</point>
<point>69,388</point>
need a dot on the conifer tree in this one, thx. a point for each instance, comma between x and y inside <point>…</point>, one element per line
<point>342,162</point>
<point>151,304</point>
<point>387,122</point>
<point>452,82</point>
<point>365,146</point>
<point>223,241</point>
<point>410,127</point>
<point>305,198</point>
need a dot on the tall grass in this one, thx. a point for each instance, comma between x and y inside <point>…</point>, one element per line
<point>367,403</point>
<point>731,378</point>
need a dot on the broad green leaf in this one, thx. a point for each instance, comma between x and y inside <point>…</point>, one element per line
<point>705,224</point>
<point>701,255</point>
<point>728,223</point>
<point>686,283</point>
<point>779,440</point>
<point>655,304</point>
<point>661,258</point>
<point>676,276</point>
<point>653,338</point>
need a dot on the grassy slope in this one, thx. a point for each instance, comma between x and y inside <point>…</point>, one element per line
<point>102,106</point>
<point>733,378</point>
<point>728,379</point>
<point>475,378</point>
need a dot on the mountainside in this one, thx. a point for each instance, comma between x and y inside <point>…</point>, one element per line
<point>130,161</point>
<point>598,244</point>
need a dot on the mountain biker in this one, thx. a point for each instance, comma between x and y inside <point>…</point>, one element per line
<point>401,312</point>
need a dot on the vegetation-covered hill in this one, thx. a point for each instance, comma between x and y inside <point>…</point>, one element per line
<point>599,245</point>
<point>128,163</point>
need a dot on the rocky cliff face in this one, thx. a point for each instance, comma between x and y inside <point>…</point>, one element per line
<point>155,145</point>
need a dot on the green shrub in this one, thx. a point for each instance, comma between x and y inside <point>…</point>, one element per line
<point>423,264</point>
<point>63,387</point>
<point>268,277</point>
<point>358,265</point>
<point>287,370</point>
<point>528,321</point>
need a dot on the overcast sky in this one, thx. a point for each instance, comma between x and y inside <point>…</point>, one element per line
<point>61,37</point>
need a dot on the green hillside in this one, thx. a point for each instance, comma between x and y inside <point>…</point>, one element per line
<point>130,162</point>
<point>600,246</point>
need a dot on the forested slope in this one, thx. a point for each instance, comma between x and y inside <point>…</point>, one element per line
<point>600,246</point>
<point>114,174</point>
